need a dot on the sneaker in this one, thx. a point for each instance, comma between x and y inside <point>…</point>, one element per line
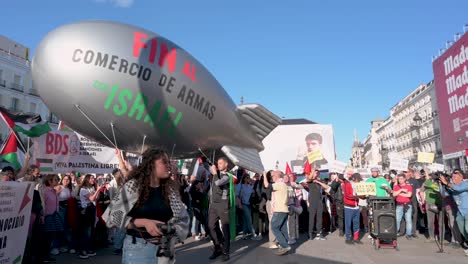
<point>282,251</point>
<point>349,242</point>
<point>54,252</point>
<point>225,257</point>
<point>341,234</point>
<point>215,254</point>
<point>292,242</point>
<point>274,246</point>
<point>256,238</point>
<point>197,238</point>
<point>91,253</point>
<point>321,237</point>
<point>409,237</point>
<point>369,237</point>
<point>72,251</point>
<point>357,241</point>
<point>400,234</point>
<point>414,236</point>
<point>63,249</point>
<point>83,255</point>
<point>244,237</point>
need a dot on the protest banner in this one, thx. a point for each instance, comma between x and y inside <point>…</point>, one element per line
<point>436,167</point>
<point>62,152</point>
<point>338,166</point>
<point>426,157</point>
<point>399,164</point>
<point>365,189</point>
<point>15,214</point>
<point>364,172</point>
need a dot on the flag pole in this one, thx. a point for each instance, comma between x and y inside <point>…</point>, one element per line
<point>19,140</point>
<point>208,159</point>
<point>14,133</point>
<point>94,124</point>
<point>4,143</point>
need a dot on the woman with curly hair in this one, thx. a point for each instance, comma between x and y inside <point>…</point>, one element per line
<point>149,199</point>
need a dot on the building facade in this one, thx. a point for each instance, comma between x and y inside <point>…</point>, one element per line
<point>386,142</point>
<point>415,126</point>
<point>16,92</point>
<point>412,127</point>
<point>371,145</point>
<point>357,153</point>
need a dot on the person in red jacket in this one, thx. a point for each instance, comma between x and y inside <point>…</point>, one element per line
<point>351,210</point>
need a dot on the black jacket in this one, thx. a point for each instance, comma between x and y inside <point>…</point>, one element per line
<point>336,192</point>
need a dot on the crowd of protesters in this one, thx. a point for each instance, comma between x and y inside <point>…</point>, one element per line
<point>67,210</point>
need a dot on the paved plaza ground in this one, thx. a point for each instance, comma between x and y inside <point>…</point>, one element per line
<point>330,251</point>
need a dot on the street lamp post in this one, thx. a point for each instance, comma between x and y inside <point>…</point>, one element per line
<point>416,144</point>
<point>383,154</point>
<point>463,159</point>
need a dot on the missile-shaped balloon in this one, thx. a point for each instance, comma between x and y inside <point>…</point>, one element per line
<point>128,87</point>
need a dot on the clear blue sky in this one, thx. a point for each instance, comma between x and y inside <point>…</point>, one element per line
<point>338,62</point>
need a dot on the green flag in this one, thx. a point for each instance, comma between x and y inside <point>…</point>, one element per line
<point>232,207</point>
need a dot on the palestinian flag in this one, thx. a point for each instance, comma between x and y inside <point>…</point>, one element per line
<point>30,125</point>
<point>232,207</point>
<point>62,127</point>
<point>10,152</point>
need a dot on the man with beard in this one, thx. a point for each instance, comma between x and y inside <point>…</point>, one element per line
<point>219,210</point>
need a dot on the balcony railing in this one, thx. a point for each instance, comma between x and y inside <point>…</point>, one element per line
<point>14,108</point>
<point>2,82</point>
<point>17,87</point>
<point>33,91</point>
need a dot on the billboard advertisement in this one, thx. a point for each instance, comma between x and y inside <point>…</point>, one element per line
<point>451,82</point>
<point>297,143</point>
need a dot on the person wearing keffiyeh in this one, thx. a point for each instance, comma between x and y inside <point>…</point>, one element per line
<point>148,199</point>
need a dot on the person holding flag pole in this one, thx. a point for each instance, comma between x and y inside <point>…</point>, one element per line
<point>221,208</point>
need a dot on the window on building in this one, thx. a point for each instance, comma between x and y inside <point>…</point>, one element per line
<point>15,104</point>
<point>17,83</point>
<point>32,107</point>
<point>2,80</point>
<point>17,79</point>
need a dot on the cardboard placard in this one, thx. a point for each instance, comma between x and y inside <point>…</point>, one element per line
<point>365,188</point>
<point>426,157</point>
<point>436,167</point>
<point>338,166</point>
<point>399,164</point>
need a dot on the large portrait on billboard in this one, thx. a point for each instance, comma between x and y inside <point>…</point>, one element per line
<point>296,144</point>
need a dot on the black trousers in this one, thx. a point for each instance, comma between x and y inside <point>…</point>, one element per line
<point>340,216</point>
<point>219,211</point>
<point>315,216</point>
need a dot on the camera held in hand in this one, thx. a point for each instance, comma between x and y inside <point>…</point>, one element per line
<point>436,176</point>
<point>168,241</point>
